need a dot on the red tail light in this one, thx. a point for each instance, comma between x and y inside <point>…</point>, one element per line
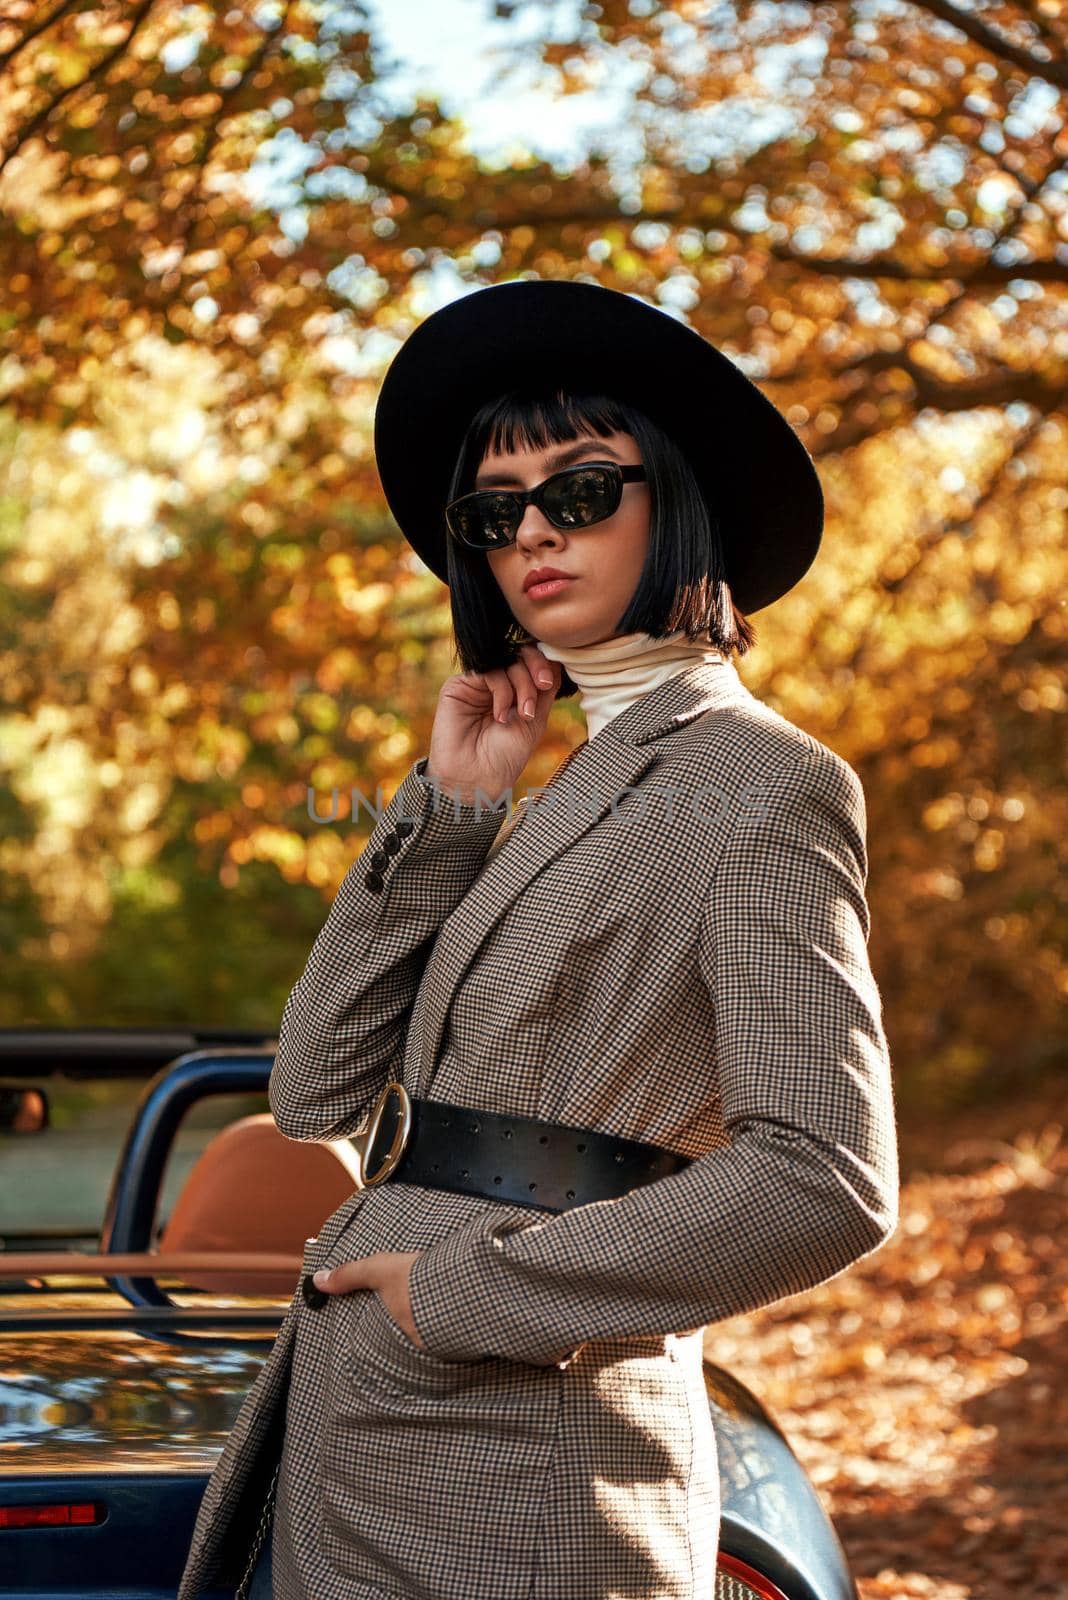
<point>737,1580</point>
<point>66,1514</point>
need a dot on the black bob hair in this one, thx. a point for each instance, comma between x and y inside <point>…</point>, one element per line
<point>682,584</point>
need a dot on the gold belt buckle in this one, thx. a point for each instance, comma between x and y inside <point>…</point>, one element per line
<point>400,1137</point>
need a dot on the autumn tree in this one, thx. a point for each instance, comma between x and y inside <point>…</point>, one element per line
<point>216,230</point>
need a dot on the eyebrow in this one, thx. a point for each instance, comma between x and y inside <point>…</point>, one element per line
<point>560,458</point>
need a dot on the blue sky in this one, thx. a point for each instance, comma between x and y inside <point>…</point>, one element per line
<point>454,48</point>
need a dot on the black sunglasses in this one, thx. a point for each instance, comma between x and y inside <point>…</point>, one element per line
<point>577,497</point>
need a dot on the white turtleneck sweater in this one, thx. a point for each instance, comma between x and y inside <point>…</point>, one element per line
<point>611,675</point>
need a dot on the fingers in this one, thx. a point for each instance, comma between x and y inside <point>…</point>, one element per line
<point>542,668</point>
<point>546,673</point>
<point>531,677</point>
<point>522,685</point>
<point>496,683</point>
<point>375,1271</point>
<point>336,1281</point>
<point>363,1273</point>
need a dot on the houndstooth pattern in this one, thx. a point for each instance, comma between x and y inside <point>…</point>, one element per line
<point>653,962</point>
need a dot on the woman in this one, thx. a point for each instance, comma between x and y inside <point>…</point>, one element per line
<point>645,1079</point>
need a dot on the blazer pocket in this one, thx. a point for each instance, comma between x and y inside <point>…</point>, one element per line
<point>384,1349</point>
<point>434,1467</point>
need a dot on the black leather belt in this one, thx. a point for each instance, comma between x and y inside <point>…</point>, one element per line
<point>520,1160</point>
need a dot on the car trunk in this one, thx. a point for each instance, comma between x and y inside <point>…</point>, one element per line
<point>109,1435</point>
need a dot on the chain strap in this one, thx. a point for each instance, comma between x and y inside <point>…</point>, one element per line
<point>242,1590</point>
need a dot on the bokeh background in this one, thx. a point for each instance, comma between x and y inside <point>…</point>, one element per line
<point>217,224</point>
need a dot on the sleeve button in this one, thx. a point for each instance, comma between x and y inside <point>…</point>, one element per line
<point>375,882</point>
<point>391,844</point>
<point>404,827</point>
<point>379,860</point>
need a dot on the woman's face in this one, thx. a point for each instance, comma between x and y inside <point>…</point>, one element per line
<point>603,562</point>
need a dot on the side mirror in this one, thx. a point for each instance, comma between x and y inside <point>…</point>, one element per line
<point>23,1110</point>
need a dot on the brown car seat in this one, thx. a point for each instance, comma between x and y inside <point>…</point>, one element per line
<point>253,1189</point>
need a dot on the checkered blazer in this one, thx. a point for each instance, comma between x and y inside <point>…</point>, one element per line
<point>673,950</point>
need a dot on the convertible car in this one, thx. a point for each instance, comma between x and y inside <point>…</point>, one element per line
<point>152,1223</point>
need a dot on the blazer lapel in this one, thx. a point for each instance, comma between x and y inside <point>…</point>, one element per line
<point>613,761</point>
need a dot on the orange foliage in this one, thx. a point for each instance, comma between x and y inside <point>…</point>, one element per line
<point>213,238</point>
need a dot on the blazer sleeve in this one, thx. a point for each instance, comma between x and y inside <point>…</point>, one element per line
<point>344,1028</point>
<point>808,1183</point>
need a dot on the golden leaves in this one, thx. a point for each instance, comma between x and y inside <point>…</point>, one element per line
<point>924,1388</point>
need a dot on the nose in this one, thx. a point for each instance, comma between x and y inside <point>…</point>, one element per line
<point>535,528</point>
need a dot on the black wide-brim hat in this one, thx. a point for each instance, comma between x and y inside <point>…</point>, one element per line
<point>532,335</point>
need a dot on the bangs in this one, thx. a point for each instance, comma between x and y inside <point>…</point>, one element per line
<point>535,421</point>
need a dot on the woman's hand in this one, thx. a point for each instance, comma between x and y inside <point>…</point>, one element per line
<point>387,1273</point>
<point>470,747</point>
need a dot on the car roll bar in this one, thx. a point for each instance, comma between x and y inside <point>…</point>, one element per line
<point>134,1196</point>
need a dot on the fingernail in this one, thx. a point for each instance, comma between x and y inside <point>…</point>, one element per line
<point>528,708</point>
<point>545,680</point>
<point>320,1278</point>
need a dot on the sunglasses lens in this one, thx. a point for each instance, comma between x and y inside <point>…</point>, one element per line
<point>484,521</point>
<point>577,498</point>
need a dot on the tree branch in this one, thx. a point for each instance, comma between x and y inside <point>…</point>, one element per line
<point>934,536</point>
<point>98,69</point>
<point>984,271</point>
<point>981,33</point>
<point>193,209</point>
<point>881,360</point>
<point>31,33</point>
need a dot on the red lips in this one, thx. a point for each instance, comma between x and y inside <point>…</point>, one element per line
<point>542,575</point>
